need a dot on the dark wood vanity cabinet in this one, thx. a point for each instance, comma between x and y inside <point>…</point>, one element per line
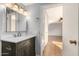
<point>23,48</point>
<point>8,49</point>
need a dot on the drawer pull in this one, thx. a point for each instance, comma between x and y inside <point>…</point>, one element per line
<point>8,48</point>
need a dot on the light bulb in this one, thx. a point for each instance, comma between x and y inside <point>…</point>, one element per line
<point>21,10</point>
<point>15,7</point>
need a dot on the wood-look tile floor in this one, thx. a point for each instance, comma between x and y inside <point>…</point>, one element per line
<point>51,49</point>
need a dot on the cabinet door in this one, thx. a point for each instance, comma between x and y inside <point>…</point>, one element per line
<point>32,46</point>
<point>23,48</point>
<point>8,49</point>
<point>26,48</point>
<point>20,51</point>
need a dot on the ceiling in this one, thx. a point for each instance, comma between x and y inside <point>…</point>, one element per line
<point>26,4</point>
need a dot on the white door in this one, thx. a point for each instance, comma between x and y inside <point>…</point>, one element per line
<point>44,30</point>
<point>70,29</point>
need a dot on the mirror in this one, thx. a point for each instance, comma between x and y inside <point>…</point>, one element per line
<point>15,21</point>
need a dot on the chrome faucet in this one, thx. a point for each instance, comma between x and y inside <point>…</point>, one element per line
<point>18,34</point>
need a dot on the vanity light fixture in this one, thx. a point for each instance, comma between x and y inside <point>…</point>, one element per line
<point>8,5</point>
<point>21,10</point>
<point>17,8</point>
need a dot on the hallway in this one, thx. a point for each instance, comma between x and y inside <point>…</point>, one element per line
<point>54,46</point>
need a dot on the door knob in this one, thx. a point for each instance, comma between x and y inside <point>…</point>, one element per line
<point>73,42</point>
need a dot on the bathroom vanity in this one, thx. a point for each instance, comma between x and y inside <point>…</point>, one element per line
<point>23,46</point>
<point>16,44</point>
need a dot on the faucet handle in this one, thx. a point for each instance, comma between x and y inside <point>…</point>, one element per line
<point>14,35</point>
<point>19,33</point>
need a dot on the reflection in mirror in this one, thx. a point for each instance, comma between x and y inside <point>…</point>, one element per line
<point>15,21</point>
<point>11,20</point>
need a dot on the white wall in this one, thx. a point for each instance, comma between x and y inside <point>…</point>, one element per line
<point>78,30</point>
<point>2,17</point>
<point>70,29</point>
<point>34,24</point>
<point>21,23</point>
<point>55,29</point>
<point>54,14</point>
<point>43,29</point>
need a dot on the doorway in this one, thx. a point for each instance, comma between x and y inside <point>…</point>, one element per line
<point>54,16</point>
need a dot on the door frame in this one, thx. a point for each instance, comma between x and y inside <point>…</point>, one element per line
<point>44,26</point>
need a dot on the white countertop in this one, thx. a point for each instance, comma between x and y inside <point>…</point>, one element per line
<point>17,39</point>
